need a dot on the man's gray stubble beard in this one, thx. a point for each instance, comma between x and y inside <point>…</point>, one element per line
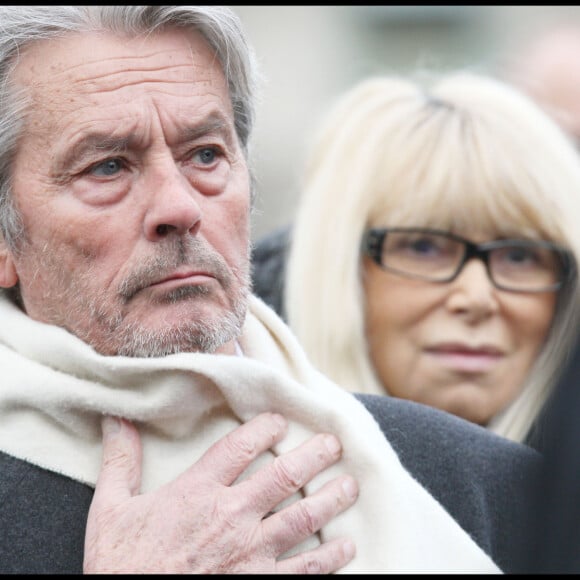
<point>197,336</point>
<point>130,339</point>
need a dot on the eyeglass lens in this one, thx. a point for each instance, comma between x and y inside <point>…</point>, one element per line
<point>437,257</point>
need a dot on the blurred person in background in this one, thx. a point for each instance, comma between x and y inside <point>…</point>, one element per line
<point>547,68</point>
<point>433,253</point>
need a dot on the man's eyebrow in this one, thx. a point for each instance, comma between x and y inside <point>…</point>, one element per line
<point>97,140</point>
<point>212,124</point>
<point>89,143</point>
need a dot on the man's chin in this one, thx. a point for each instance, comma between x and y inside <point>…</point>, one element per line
<point>195,328</point>
<point>170,340</point>
<point>174,308</point>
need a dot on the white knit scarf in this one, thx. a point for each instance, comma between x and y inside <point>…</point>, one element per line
<point>54,389</point>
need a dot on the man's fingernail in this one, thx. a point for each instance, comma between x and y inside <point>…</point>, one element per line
<point>349,549</point>
<point>111,425</point>
<point>350,488</point>
<point>332,444</point>
<point>280,420</point>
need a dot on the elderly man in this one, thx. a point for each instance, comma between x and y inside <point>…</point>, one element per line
<point>154,415</point>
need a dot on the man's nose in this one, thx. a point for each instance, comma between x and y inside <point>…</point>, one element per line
<point>173,203</point>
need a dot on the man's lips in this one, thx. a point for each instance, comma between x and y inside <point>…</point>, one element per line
<point>182,278</point>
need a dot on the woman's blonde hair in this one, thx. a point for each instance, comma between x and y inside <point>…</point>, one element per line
<point>456,152</point>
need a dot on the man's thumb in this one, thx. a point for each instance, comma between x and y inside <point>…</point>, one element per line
<point>120,475</point>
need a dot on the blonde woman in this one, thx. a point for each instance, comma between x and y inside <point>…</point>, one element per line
<point>433,252</point>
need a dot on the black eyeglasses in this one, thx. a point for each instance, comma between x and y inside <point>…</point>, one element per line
<point>437,256</point>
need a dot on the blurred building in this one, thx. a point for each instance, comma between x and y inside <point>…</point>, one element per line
<point>311,54</point>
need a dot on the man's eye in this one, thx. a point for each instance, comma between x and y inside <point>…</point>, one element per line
<point>206,155</point>
<point>107,168</point>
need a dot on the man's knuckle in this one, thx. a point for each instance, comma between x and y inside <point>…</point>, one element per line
<point>287,474</point>
<point>311,564</point>
<point>116,458</point>
<point>305,520</point>
<point>239,447</point>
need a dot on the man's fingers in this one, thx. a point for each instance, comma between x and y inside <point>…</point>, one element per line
<point>226,459</point>
<point>120,475</point>
<point>301,519</point>
<point>206,510</point>
<point>279,479</point>
<point>324,559</point>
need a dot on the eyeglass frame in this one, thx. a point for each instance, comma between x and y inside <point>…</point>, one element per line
<point>373,240</point>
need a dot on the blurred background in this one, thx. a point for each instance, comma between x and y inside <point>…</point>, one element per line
<point>311,54</point>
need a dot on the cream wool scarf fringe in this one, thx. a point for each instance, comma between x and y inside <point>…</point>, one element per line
<point>54,389</point>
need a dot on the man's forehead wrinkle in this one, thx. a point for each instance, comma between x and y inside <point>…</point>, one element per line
<point>106,81</point>
<point>177,63</point>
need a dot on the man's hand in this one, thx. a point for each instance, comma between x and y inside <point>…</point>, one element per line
<point>201,522</point>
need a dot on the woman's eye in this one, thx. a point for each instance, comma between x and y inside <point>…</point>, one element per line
<point>519,255</point>
<point>422,245</point>
<point>107,168</point>
<point>528,257</point>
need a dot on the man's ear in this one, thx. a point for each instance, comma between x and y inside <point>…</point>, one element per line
<point>8,275</point>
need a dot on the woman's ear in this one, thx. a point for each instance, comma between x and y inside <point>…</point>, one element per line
<point>8,275</point>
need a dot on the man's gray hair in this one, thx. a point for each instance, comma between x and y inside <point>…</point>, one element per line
<point>23,25</point>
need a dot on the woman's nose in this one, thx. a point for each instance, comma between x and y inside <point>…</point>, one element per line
<point>472,293</point>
